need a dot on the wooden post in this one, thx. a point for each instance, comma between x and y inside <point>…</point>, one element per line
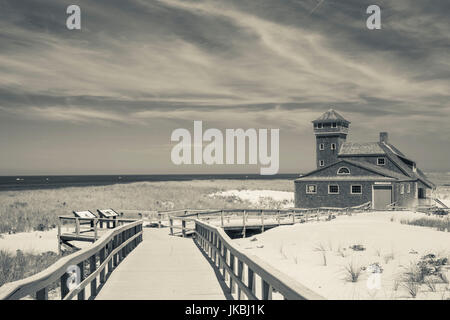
<point>95,229</point>
<point>92,267</point>
<point>102,259</point>
<point>240,275</point>
<point>77,226</point>
<point>42,294</point>
<point>183,225</point>
<point>262,220</point>
<point>278,217</point>
<point>243,230</point>
<point>159,221</point>
<point>251,281</point>
<point>232,289</point>
<point>221,218</point>
<point>266,290</point>
<point>225,254</point>
<point>64,287</point>
<point>59,237</point>
<point>293,217</point>
<point>81,294</point>
<point>171,226</point>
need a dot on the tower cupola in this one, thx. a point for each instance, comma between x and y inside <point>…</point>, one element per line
<point>331,131</point>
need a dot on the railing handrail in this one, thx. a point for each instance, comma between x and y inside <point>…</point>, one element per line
<point>21,288</point>
<point>284,284</point>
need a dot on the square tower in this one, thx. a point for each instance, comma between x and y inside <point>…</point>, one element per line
<point>331,131</point>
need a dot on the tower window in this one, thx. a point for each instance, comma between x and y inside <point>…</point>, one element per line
<point>356,189</point>
<point>408,188</point>
<point>334,125</point>
<point>321,146</point>
<point>402,188</point>
<point>333,189</point>
<point>311,189</point>
<point>381,161</point>
<point>343,170</point>
<point>333,146</point>
<point>321,163</point>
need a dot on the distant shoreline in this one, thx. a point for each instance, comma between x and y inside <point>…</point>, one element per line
<point>17,183</point>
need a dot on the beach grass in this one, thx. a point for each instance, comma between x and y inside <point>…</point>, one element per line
<point>27,210</point>
<point>23,264</point>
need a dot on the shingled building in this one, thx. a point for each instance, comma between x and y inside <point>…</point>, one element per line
<point>349,174</point>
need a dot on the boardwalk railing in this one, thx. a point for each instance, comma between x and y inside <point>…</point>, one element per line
<point>75,272</point>
<point>265,218</point>
<point>241,271</point>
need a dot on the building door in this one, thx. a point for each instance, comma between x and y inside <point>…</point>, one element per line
<point>382,196</point>
<point>421,193</point>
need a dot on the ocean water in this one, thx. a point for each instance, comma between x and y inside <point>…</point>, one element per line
<point>61,181</point>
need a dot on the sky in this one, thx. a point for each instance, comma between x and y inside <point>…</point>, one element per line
<point>105,99</point>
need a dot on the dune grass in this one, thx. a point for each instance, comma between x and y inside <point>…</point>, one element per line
<point>23,264</point>
<point>38,209</point>
<point>441,224</point>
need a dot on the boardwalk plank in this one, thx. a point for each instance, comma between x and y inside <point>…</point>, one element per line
<point>163,267</point>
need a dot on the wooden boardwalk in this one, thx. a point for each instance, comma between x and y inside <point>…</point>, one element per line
<point>164,267</point>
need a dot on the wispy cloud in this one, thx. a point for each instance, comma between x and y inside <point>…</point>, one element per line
<point>244,63</point>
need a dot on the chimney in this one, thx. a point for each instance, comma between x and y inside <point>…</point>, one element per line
<point>384,137</point>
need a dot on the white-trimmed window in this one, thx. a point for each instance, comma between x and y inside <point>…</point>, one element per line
<point>343,170</point>
<point>356,189</point>
<point>381,161</point>
<point>334,125</point>
<point>311,189</point>
<point>321,163</point>
<point>408,188</point>
<point>333,189</point>
<point>333,146</point>
<point>402,188</point>
<point>321,146</point>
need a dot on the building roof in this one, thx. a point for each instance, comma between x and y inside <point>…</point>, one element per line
<point>385,174</point>
<point>358,148</point>
<point>331,115</point>
<point>385,149</point>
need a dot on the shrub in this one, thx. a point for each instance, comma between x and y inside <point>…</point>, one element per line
<point>353,272</point>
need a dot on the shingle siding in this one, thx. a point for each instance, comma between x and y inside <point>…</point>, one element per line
<point>323,199</point>
<point>373,160</point>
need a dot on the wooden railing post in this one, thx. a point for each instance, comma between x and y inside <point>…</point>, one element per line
<point>262,220</point>
<point>293,217</point>
<point>266,290</point>
<point>232,288</point>
<point>251,281</point>
<point>64,287</point>
<point>77,226</point>
<point>221,218</point>
<point>81,294</point>
<point>243,228</point>
<point>278,217</point>
<point>225,254</point>
<point>95,229</point>
<point>240,275</point>
<point>42,294</point>
<point>92,268</point>
<point>183,225</point>
<point>59,237</point>
<point>171,226</point>
<point>102,259</point>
